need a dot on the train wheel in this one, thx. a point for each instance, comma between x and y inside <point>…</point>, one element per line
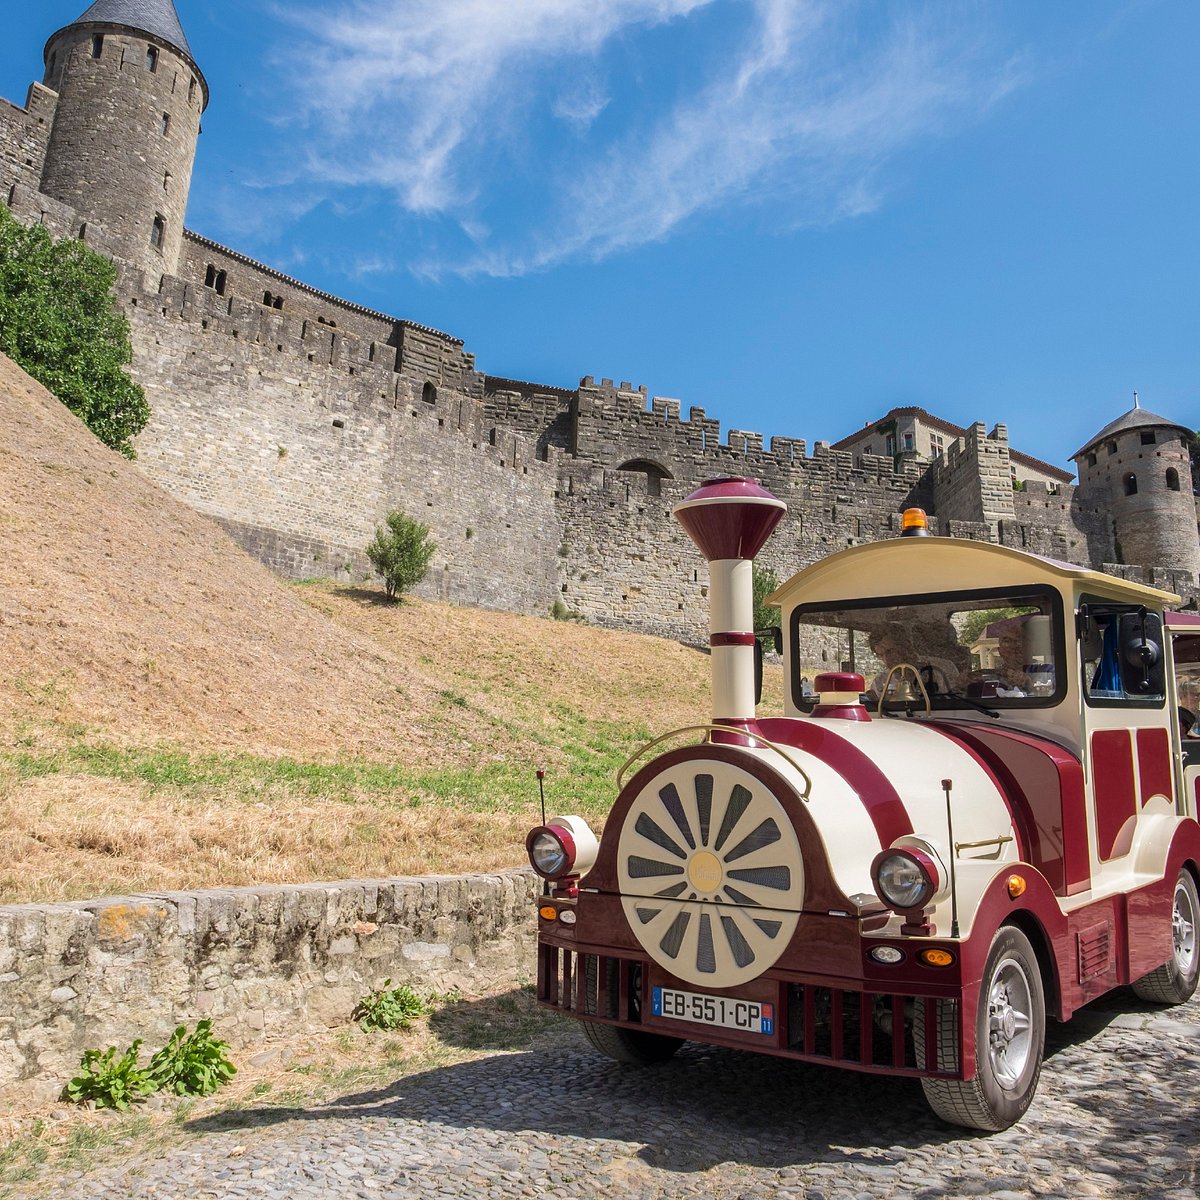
<point>632,1046</point>
<point>1175,981</point>
<point>1010,1035</point>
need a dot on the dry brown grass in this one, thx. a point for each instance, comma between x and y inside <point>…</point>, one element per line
<point>173,716</point>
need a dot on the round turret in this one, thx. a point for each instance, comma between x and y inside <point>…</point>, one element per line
<point>1140,468</point>
<point>124,136</point>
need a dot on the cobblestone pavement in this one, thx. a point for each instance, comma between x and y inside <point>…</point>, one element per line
<point>1117,1114</point>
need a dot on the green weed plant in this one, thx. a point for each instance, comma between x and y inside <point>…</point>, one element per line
<point>192,1064</point>
<point>389,1007</point>
<point>109,1081</point>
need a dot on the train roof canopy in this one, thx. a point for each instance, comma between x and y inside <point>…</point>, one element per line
<point>913,566</point>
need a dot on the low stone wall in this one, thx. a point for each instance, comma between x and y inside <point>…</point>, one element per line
<point>258,961</point>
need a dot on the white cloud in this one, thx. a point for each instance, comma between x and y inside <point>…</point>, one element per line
<point>791,105</point>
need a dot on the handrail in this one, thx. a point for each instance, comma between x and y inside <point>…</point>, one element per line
<point>708,731</point>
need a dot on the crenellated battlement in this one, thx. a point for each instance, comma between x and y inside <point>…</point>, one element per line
<point>297,419</point>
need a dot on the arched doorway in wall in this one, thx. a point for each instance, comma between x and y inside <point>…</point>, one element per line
<point>654,472</point>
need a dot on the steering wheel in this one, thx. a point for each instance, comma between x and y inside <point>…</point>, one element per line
<point>898,669</point>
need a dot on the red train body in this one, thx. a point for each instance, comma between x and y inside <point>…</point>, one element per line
<point>906,875</point>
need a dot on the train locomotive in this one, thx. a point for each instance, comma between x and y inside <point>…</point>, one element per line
<point>977,813</point>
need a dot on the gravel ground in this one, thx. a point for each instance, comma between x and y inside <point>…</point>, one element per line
<point>1116,1115</point>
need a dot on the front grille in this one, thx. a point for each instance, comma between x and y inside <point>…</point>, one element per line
<point>590,985</point>
<point>867,1031</point>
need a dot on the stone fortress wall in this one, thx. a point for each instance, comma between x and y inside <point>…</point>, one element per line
<point>298,419</point>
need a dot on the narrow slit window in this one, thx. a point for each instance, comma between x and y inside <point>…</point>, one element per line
<point>158,231</point>
<point>97,45</point>
<point>1130,482</point>
<point>151,60</point>
<point>192,88</point>
<point>166,123</point>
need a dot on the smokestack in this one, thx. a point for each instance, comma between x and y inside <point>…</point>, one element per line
<point>729,519</point>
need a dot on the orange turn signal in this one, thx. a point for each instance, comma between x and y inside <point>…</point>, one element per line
<point>548,912</point>
<point>936,958</point>
<point>1016,886</point>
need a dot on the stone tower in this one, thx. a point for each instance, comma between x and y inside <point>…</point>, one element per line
<point>1138,466</point>
<point>124,136</point>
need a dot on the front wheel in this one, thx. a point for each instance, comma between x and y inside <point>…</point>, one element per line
<point>631,1046</point>
<point>1175,981</point>
<point>1010,1036</point>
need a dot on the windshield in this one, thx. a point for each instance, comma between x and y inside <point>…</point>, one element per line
<point>994,648</point>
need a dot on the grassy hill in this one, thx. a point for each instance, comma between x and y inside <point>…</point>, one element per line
<point>173,716</point>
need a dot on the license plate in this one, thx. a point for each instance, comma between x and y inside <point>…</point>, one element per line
<point>749,1016</point>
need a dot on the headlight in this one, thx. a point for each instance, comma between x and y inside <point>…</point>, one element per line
<point>551,851</point>
<point>563,846</point>
<point>905,879</point>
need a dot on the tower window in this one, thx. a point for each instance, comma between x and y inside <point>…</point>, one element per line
<point>429,393</point>
<point>97,45</point>
<point>166,123</point>
<point>1130,482</point>
<point>1091,460</point>
<point>1112,447</point>
<point>1147,437</point>
<point>158,231</point>
<point>151,60</point>
<point>166,181</point>
<point>192,88</point>
<point>1173,479</point>
<point>271,301</point>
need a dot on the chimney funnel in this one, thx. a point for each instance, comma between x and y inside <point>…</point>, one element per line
<point>730,519</point>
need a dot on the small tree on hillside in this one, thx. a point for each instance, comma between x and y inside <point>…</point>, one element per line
<point>400,551</point>
<point>60,323</point>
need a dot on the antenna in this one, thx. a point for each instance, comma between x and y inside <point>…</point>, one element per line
<point>541,775</point>
<point>948,787</point>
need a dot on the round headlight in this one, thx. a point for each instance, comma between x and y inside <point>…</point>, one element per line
<point>904,879</point>
<point>549,854</point>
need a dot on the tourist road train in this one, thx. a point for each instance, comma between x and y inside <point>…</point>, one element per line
<point>977,812</point>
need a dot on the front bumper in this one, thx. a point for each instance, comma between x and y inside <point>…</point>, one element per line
<point>853,1023</point>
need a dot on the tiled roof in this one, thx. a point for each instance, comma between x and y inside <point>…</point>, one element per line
<point>157,17</point>
<point>1135,418</point>
<point>934,422</point>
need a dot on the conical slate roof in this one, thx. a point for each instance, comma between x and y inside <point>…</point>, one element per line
<point>1135,418</point>
<point>156,17</point>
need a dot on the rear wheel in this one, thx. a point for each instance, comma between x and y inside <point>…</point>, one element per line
<point>1010,1035</point>
<point>1175,981</point>
<point>631,1045</point>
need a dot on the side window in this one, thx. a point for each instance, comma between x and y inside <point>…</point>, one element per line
<point>1186,652</point>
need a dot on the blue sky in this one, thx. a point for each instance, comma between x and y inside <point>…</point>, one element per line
<point>793,214</point>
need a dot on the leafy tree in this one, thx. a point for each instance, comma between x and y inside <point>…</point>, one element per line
<point>400,551</point>
<point>60,323</point>
<point>765,615</point>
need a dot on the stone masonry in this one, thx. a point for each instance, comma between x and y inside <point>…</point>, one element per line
<point>261,962</point>
<point>298,419</point>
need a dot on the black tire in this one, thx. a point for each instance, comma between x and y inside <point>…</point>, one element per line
<point>631,1046</point>
<point>1175,981</point>
<point>1010,1038</point>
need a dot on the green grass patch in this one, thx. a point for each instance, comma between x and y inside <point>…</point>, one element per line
<point>593,751</point>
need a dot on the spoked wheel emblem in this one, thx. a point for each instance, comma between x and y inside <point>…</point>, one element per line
<point>710,872</point>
